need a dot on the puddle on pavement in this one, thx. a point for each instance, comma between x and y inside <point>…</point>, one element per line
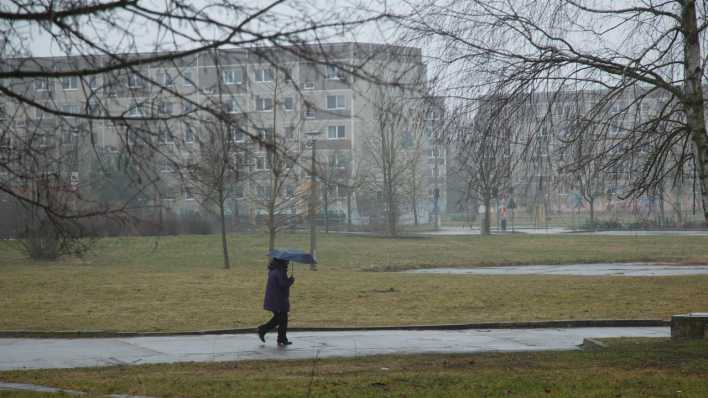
<point>630,269</point>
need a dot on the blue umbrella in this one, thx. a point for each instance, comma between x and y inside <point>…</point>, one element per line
<point>295,255</point>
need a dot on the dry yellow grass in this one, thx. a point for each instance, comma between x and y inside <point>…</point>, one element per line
<point>129,285</point>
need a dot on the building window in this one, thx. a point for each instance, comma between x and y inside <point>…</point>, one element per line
<point>336,132</point>
<point>165,166</point>
<point>288,103</point>
<point>188,195</point>
<point>135,81</point>
<point>164,136</point>
<point>262,193</point>
<point>407,139</point>
<point>93,82</point>
<point>615,130</point>
<point>136,110</point>
<point>188,135</point>
<point>71,109</point>
<point>237,191</point>
<point>187,106</point>
<point>264,75</point>
<point>41,84</point>
<point>309,111</point>
<point>165,107</point>
<point>70,136</point>
<point>340,160</point>
<point>309,85</point>
<point>264,104</point>
<point>187,76</point>
<point>617,107</point>
<point>165,78</point>
<point>93,107</point>
<point>331,73</point>
<point>42,139</point>
<point>69,83</point>
<point>232,76</point>
<point>262,162</point>
<point>265,135</point>
<point>238,135</point>
<point>232,106</point>
<point>335,102</point>
<point>290,132</point>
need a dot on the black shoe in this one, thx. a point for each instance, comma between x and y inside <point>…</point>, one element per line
<point>284,343</point>
<point>261,334</point>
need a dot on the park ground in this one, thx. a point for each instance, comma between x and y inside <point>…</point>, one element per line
<point>177,283</point>
<point>626,368</point>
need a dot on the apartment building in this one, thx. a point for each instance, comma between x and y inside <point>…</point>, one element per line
<point>161,113</point>
<point>615,133</point>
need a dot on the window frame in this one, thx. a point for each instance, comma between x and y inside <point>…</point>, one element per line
<point>337,105</point>
<point>261,101</point>
<point>41,84</point>
<point>332,72</point>
<point>340,132</point>
<point>135,80</point>
<point>188,132</point>
<point>73,83</point>
<point>234,72</point>
<point>261,75</point>
<point>289,101</point>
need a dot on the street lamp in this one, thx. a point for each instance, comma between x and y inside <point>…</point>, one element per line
<point>312,142</point>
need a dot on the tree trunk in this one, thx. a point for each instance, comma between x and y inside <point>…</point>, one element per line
<point>391,216</point>
<point>349,209</point>
<point>662,207</point>
<point>224,244</point>
<point>591,203</point>
<point>678,209</point>
<point>271,227</point>
<point>486,222</point>
<point>325,196</point>
<point>415,207</point>
<point>693,102</point>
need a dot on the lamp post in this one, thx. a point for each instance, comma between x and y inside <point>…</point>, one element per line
<point>436,189</point>
<point>312,142</point>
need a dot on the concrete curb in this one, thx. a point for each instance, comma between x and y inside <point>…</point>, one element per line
<point>593,345</point>
<point>560,324</point>
<point>52,390</point>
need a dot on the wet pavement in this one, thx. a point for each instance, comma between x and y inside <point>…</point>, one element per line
<point>626,269</point>
<point>24,353</point>
<point>462,231</point>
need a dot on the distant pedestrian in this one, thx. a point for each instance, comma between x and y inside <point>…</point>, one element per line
<point>277,300</point>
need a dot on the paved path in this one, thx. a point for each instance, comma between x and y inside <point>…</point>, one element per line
<point>604,269</point>
<point>71,353</point>
<point>456,231</point>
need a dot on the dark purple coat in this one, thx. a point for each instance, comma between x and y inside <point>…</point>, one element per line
<point>277,294</point>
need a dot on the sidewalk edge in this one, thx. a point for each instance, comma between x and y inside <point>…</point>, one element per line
<point>559,324</point>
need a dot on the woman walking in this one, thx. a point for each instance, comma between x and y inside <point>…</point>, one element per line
<point>277,300</point>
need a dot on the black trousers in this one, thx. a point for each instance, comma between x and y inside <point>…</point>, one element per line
<point>279,320</point>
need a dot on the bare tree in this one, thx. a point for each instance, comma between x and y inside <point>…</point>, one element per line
<point>397,116</point>
<point>119,80</point>
<point>486,157</point>
<point>585,163</point>
<point>631,54</point>
<point>215,168</point>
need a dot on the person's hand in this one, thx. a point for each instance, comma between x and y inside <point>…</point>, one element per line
<point>291,279</point>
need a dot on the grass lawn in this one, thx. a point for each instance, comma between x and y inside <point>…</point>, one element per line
<point>176,283</point>
<point>628,368</point>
